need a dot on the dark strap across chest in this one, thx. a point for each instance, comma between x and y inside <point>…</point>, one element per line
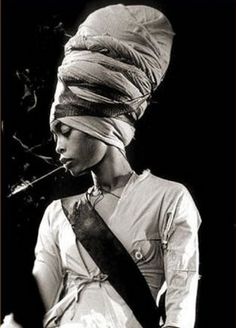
<point>113,260</point>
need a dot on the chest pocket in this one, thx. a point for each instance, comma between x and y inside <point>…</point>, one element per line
<point>148,255</point>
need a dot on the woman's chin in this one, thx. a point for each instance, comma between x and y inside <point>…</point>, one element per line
<point>74,173</point>
<point>78,172</point>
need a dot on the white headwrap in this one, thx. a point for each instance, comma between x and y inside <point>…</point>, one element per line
<point>112,65</point>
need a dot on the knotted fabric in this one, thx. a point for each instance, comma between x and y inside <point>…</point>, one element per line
<point>112,65</point>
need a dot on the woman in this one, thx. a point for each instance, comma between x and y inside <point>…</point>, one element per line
<point>112,65</point>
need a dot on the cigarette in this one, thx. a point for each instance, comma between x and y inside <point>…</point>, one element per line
<point>27,184</point>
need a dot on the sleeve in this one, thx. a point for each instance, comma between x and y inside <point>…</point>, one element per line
<point>47,268</point>
<point>181,261</point>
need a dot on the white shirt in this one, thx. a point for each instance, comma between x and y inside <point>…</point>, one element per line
<point>157,222</point>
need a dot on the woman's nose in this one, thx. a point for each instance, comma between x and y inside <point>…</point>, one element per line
<point>60,147</point>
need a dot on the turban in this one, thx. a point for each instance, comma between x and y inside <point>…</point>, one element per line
<point>113,64</point>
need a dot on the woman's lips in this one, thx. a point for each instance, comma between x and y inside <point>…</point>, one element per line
<point>66,162</point>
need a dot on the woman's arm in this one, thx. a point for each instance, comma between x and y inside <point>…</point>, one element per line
<point>181,260</point>
<point>47,266</point>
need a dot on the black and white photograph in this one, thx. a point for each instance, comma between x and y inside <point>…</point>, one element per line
<point>118,164</point>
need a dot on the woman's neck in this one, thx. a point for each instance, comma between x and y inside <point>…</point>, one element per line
<point>113,171</point>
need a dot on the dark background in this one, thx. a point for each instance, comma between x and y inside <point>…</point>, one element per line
<point>186,135</point>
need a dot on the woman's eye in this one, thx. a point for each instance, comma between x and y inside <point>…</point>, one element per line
<point>65,130</point>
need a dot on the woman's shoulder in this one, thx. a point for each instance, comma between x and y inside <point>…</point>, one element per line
<point>161,184</point>
<point>54,211</point>
<point>170,192</point>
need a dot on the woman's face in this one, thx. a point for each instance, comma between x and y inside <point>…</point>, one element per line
<point>78,151</point>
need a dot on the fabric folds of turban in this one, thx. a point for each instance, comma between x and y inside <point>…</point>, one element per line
<point>112,65</point>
